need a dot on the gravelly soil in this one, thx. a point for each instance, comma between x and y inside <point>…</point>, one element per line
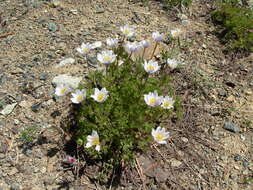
<point>34,37</point>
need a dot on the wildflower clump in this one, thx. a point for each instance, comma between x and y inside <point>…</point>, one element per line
<point>235,25</point>
<point>123,106</point>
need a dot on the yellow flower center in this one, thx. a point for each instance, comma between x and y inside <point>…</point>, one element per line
<point>85,50</point>
<point>63,90</point>
<point>100,97</point>
<point>175,34</point>
<point>152,100</point>
<point>151,68</point>
<point>126,32</point>
<point>160,137</point>
<point>166,104</point>
<point>79,98</point>
<point>95,141</point>
<point>107,58</point>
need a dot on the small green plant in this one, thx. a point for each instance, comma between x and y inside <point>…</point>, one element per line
<point>168,4</point>
<point>123,105</point>
<point>235,25</point>
<point>28,135</point>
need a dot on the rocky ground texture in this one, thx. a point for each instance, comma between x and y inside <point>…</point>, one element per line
<point>211,147</point>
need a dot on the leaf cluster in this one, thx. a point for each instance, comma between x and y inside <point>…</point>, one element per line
<point>235,25</point>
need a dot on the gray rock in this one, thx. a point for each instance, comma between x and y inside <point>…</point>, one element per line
<point>66,61</point>
<point>36,107</point>
<point>73,82</point>
<point>16,121</point>
<point>175,163</point>
<point>92,61</point>
<point>43,125</point>
<point>18,98</point>
<point>232,127</point>
<point>32,4</point>
<point>237,157</point>
<point>2,124</point>
<point>184,139</point>
<point>251,83</point>
<point>8,109</point>
<point>56,3</point>
<point>52,27</point>
<point>100,10</point>
<point>3,78</point>
<point>245,164</point>
<point>89,33</point>
<point>44,76</point>
<point>35,58</point>
<point>223,93</point>
<point>15,187</point>
<point>3,147</point>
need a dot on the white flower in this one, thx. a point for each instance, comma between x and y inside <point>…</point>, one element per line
<point>167,102</point>
<point>96,45</point>
<point>152,99</point>
<point>78,96</point>
<point>157,36</point>
<point>100,95</point>
<point>62,89</point>
<point>145,44</point>
<point>93,140</point>
<point>151,66</point>
<point>173,63</point>
<point>132,47</point>
<point>112,42</point>
<point>106,57</point>
<point>175,33</point>
<point>160,135</point>
<point>85,48</point>
<point>127,31</point>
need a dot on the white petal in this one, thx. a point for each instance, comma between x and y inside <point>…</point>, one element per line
<point>74,101</point>
<point>100,58</point>
<point>98,147</point>
<point>94,133</point>
<point>158,129</point>
<point>97,91</point>
<point>94,97</point>
<point>88,145</point>
<point>146,98</point>
<point>153,133</point>
<point>79,50</point>
<point>162,142</point>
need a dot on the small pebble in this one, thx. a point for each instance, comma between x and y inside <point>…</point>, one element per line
<point>184,139</point>
<point>237,157</point>
<point>43,76</point>
<point>36,107</point>
<point>232,127</point>
<point>100,10</point>
<point>223,93</point>
<point>245,164</point>
<point>16,121</point>
<point>52,27</point>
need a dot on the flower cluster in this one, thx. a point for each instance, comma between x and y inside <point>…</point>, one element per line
<point>111,57</point>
